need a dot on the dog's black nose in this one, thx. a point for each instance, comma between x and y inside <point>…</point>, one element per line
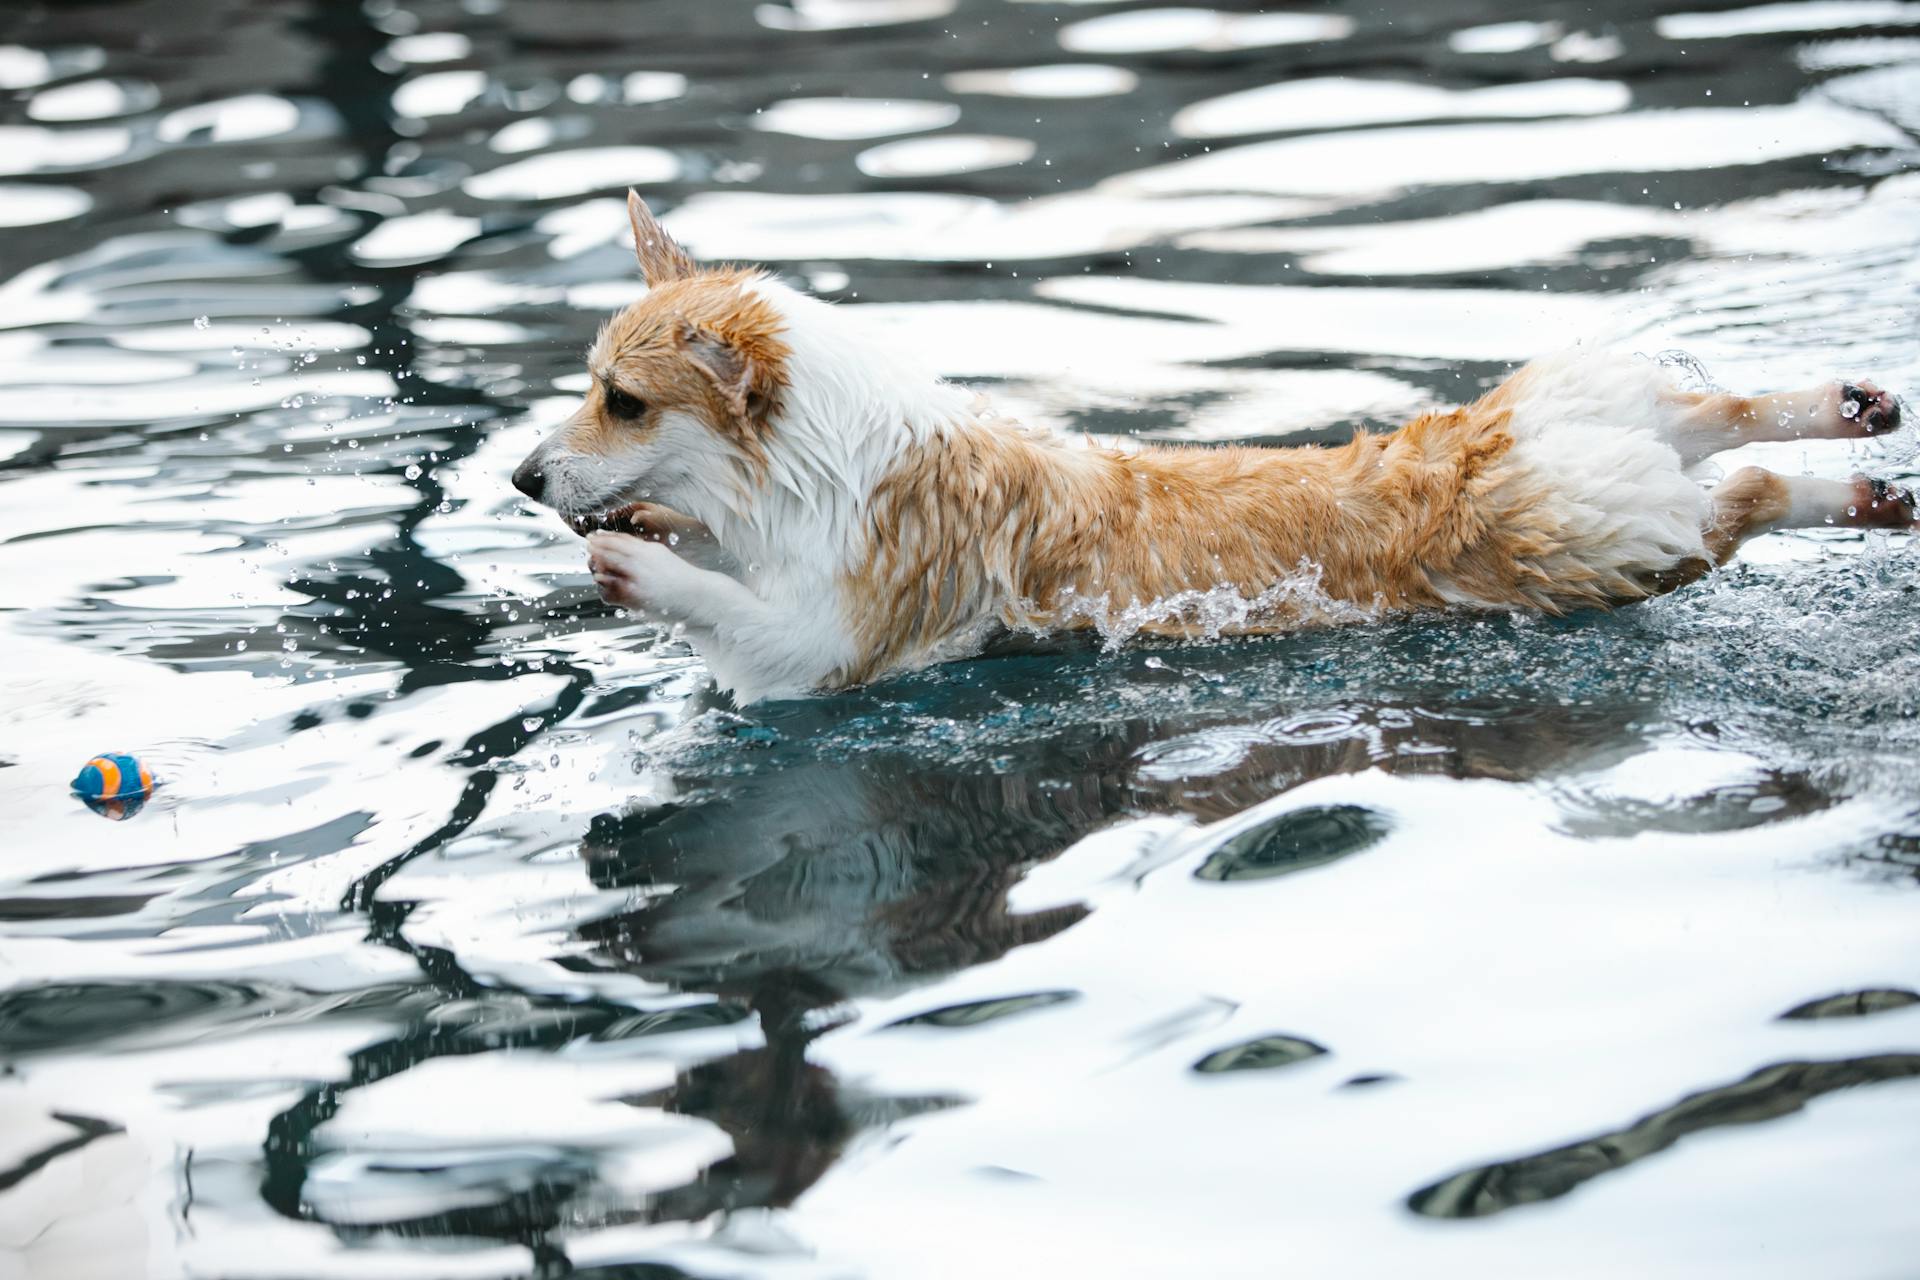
<point>530,479</point>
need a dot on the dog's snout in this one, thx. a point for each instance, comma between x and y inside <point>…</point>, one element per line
<point>529,479</point>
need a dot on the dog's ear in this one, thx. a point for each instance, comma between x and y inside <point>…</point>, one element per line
<point>732,372</point>
<point>661,258</point>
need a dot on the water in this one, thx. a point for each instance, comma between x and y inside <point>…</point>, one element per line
<point>469,937</point>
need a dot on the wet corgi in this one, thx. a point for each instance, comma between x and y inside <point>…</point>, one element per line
<point>816,510</point>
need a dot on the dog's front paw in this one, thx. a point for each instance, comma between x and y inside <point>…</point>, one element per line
<point>641,519</point>
<point>631,572</point>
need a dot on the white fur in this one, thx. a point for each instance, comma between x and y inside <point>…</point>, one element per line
<point>1592,424</point>
<point>681,457</point>
<point>854,403</point>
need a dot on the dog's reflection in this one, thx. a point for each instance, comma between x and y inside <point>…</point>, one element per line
<point>795,888</point>
<point>860,875</point>
<point>867,873</point>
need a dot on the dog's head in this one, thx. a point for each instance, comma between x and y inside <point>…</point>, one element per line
<point>686,384</point>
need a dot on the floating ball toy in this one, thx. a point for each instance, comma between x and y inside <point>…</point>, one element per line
<point>114,776</point>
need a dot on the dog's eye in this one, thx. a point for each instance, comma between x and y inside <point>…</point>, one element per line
<point>622,405</point>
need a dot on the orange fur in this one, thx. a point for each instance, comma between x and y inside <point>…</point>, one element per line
<point>1430,515</point>
<point>1745,503</point>
<point>652,351</point>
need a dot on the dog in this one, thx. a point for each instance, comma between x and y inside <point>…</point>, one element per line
<point>816,510</point>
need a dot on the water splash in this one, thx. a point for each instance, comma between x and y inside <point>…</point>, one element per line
<point>1296,600</point>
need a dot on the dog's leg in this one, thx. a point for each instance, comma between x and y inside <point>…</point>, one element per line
<point>1698,424</point>
<point>1754,500</point>
<point>751,646</point>
<point>646,576</point>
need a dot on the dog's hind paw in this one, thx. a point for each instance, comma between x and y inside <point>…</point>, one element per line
<point>1879,504</point>
<point>1868,409</point>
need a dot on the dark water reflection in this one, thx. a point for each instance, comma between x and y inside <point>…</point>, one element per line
<point>1767,1094</point>
<point>471,936</point>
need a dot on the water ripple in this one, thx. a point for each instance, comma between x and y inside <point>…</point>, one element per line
<point>470,934</point>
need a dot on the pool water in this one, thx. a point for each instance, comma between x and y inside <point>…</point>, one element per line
<point>470,934</point>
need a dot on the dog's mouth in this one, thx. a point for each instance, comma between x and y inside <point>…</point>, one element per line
<point>615,519</point>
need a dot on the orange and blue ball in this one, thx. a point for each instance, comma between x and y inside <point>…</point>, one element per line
<point>113,776</point>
